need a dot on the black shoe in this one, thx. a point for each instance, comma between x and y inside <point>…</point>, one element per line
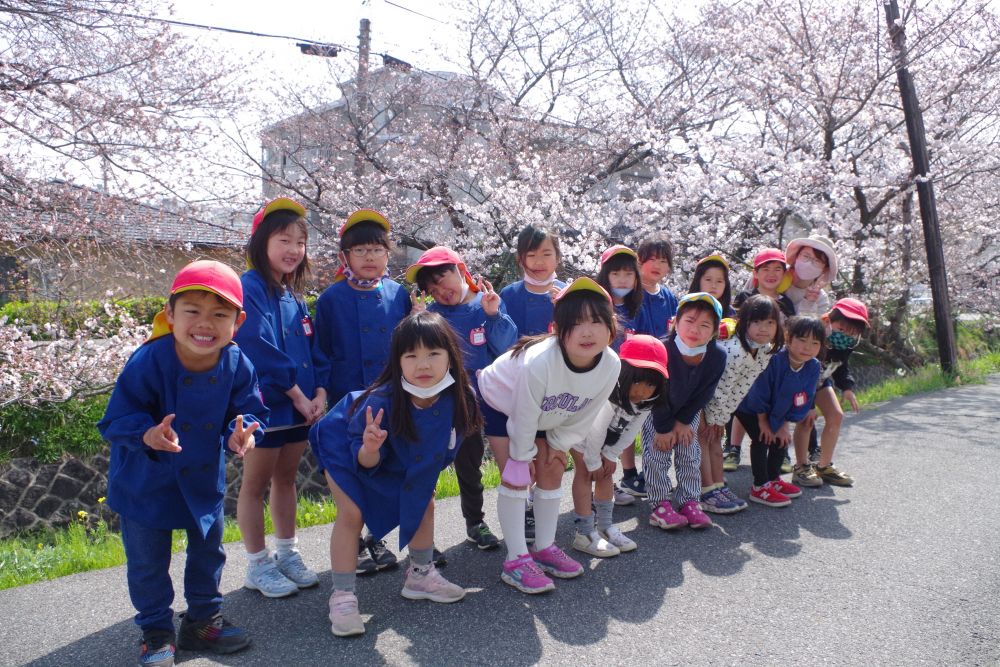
<point>375,557</point>
<point>529,526</point>
<point>481,535</point>
<point>438,558</point>
<point>157,649</point>
<point>214,634</point>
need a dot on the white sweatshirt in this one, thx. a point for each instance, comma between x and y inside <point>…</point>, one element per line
<point>803,306</point>
<point>742,368</point>
<point>612,431</point>
<point>539,392</point>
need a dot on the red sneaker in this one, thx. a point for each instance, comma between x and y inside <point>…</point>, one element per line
<point>768,495</point>
<point>786,488</point>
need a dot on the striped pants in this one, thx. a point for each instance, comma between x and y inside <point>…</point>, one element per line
<point>656,467</point>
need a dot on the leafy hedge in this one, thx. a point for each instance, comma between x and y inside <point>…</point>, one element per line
<point>47,431</point>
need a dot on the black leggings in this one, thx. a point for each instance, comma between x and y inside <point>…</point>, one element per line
<point>765,460</point>
<point>468,462</point>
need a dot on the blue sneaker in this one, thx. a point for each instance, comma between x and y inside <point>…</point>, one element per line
<point>157,649</point>
<point>716,502</point>
<point>634,486</point>
<point>740,503</point>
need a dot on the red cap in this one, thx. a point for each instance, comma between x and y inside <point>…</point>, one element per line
<point>440,256</point>
<point>617,250</point>
<point>768,255</point>
<point>643,351</point>
<point>852,309</point>
<point>278,204</point>
<point>364,215</point>
<point>583,283</point>
<point>206,275</point>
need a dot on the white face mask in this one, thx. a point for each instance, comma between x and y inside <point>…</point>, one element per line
<point>428,392</point>
<point>689,351</point>
<point>807,270</point>
<point>465,290</point>
<point>621,292</point>
<point>540,283</point>
<point>754,345</point>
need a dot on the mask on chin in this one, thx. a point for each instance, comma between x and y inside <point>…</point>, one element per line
<point>428,392</point>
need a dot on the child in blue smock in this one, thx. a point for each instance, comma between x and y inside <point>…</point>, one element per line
<point>619,275</point>
<point>484,331</point>
<point>783,393</point>
<point>183,397</point>
<point>382,450</point>
<point>656,263</point>
<point>278,338</point>
<point>529,301</point>
<point>355,317</point>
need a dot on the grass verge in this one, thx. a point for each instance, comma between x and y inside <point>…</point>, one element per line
<point>89,545</point>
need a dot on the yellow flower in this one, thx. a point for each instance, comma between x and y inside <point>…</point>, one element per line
<point>39,546</point>
<point>82,514</point>
<point>101,499</point>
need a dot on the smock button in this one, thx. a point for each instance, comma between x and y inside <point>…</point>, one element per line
<point>188,381</point>
<point>185,427</point>
<point>305,364</point>
<point>364,329</point>
<point>213,380</point>
<point>436,412</point>
<point>210,426</point>
<point>418,458</point>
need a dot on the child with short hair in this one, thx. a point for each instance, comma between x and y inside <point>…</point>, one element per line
<point>782,393</point>
<point>619,276</point>
<point>529,301</point>
<point>485,331</point>
<point>758,336</point>
<point>642,384</point>
<point>845,324</point>
<point>696,363</point>
<point>769,270</point>
<point>355,317</point>
<point>277,337</point>
<point>187,377</point>
<point>545,393</point>
<point>382,450</point>
<point>812,265</point>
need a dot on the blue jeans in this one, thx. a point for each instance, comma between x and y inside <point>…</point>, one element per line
<point>147,551</point>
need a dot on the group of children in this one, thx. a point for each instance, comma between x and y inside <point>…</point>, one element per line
<point>546,371</point>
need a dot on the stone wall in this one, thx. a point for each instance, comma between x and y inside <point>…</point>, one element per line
<point>37,495</point>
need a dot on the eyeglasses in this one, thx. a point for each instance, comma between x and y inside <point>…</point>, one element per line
<point>377,251</point>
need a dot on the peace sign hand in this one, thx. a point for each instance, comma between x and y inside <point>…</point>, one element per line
<point>242,439</point>
<point>374,435</point>
<point>162,436</point>
<point>491,300</point>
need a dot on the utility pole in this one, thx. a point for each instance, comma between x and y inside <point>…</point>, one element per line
<point>361,82</point>
<point>925,192</point>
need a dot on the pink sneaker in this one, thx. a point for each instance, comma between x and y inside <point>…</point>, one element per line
<point>344,617</point>
<point>428,584</point>
<point>695,517</point>
<point>666,518</point>
<point>524,574</point>
<point>554,561</point>
<point>787,488</point>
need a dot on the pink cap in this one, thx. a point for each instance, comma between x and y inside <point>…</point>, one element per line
<point>768,255</point>
<point>439,256</point>
<point>643,351</point>
<point>852,309</point>
<point>617,250</point>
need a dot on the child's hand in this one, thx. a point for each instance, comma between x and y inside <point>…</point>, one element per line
<point>305,407</point>
<point>374,435</point>
<point>491,300</point>
<point>664,442</point>
<point>853,400</point>
<point>782,436</point>
<point>553,455</point>
<point>319,405</point>
<point>162,436</point>
<point>554,292</point>
<point>812,292</point>
<point>683,434</point>
<point>766,434</point>
<point>714,432</point>
<point>606,470</point>
<point>418,301</point>
<point>242,439</point>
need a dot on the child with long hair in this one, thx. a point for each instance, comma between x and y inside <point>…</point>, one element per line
<point>619,276</point>
<point>642,384</point>
<point>783,393</point>
<point>696,363</point>
<point>758,336</point>
<point>711,274</point>
<point>541,398</point>
<point>382,450</point>
<point>277,336</point>
<point>529,300</point>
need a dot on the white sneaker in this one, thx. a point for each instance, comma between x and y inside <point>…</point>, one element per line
<point>615,536</point>
<point>266,578</point>
<point>622,498</point>
<point>428,584</point>
<point>295,570</point>
<point>595,545</point>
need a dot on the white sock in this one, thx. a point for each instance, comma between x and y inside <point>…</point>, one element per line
<point>255,558</point>
<point>546,516</point>
<point>510,511</point>
<point>285,545</point>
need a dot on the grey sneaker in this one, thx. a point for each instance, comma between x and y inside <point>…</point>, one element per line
<point>805,475</point>
<point>295,570</point>
<point>214,634</point>
<point>268,579</point>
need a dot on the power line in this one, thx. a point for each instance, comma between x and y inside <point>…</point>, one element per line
<point>413,11</point>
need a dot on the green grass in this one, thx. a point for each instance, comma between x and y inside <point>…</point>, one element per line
<point>89,545</point>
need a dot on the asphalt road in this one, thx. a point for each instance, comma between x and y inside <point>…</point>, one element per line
<point>902,569</point>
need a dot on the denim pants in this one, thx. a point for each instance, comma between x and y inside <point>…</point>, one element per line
<point>147,551</point>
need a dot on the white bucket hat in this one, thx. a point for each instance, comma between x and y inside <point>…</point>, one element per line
<point>819,244</point>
